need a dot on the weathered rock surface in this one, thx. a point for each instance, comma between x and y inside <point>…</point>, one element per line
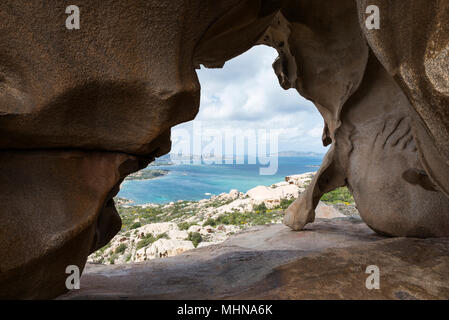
<point>163,248</point>
<point>380,148</point>
<point>327,260</point>
<point>417,58</point>
<point>301,180</point>
<point>32,241</point>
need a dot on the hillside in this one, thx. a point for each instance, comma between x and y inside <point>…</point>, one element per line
<point>155,231</point>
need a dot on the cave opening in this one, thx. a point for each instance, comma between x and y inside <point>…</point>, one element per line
<point>227,168</point>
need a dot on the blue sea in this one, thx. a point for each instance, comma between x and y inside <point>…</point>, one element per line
<point>198,181</point>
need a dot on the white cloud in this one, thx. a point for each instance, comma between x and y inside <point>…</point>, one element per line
<point>245,94</point>
<point>315,132</point>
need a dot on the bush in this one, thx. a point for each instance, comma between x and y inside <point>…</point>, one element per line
<point>135,225</point>
<point>112,259</point>
<point>185,225</point>
<point>195,237</point>
<point>339,195</point>
<point>285,203</point>
<point>149,239</point>
<point>146,240</point>
<point>103,249</point>
<point>261,207</point>
<point>162,236</point>
<point>210,222</point>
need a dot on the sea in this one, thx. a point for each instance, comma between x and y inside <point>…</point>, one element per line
<point>193,182</point>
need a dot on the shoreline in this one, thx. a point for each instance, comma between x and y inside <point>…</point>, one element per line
<point>120,200</point>
<point>151,231</point>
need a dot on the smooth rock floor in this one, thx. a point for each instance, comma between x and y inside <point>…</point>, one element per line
<point>328,260</point>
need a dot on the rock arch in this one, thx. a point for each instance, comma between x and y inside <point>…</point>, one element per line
<point>81,109</point>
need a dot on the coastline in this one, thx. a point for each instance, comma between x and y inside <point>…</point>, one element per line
<point>152,231</point>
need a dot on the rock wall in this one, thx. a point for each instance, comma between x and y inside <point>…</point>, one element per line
<point>82,109</point>
<point>383,96</point>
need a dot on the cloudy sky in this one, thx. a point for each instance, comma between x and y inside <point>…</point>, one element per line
<point>245,94</point>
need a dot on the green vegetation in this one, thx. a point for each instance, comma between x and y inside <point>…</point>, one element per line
<point>149,239</point>
<point>185,225</point>
<point>147,174</point>
<point>162,236</point>
<point>180,211</point>
<point>260,208</point>
<point>209,222</point>
<point>245,218</point>
<point>285,203</point>
<point>177,211</point>
<point>120,249</point>
<point>134,217</point>
<point>219,203</point>
<point>135,225</point>
<point>340,195</point>
<point>195,237</point>
<point>102,250</point>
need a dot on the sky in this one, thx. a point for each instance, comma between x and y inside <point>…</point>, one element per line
<point>245,94</point>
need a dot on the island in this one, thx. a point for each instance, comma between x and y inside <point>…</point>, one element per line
<point>147,174</point>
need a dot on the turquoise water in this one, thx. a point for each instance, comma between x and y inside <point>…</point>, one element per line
<point>196,182</point>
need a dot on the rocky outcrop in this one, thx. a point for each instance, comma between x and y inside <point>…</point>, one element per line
<point>82,109</point>
<point>271,196</point>
<point>33,241</point>
<point>377,107</point>
<point>163,248</point>
<point>328,260</point>
<point>417,59</point>
<point>302,180</point>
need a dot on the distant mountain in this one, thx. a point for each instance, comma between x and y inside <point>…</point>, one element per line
<point>299,154</point>
<point>169,157</point>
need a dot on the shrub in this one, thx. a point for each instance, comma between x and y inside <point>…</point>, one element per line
<point>210,222</point>
<point>135,225</point>
<point>149,239</point>
<point>285,203</point>
<point>162,236</point>
<point>339,195</point>
<point>112,259</point>
<point>146,240</point>
<point>185,225</point>
<point>120,249</point>
<point>103,249</point>
<point>195,237</point>
<point>261,207</point>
